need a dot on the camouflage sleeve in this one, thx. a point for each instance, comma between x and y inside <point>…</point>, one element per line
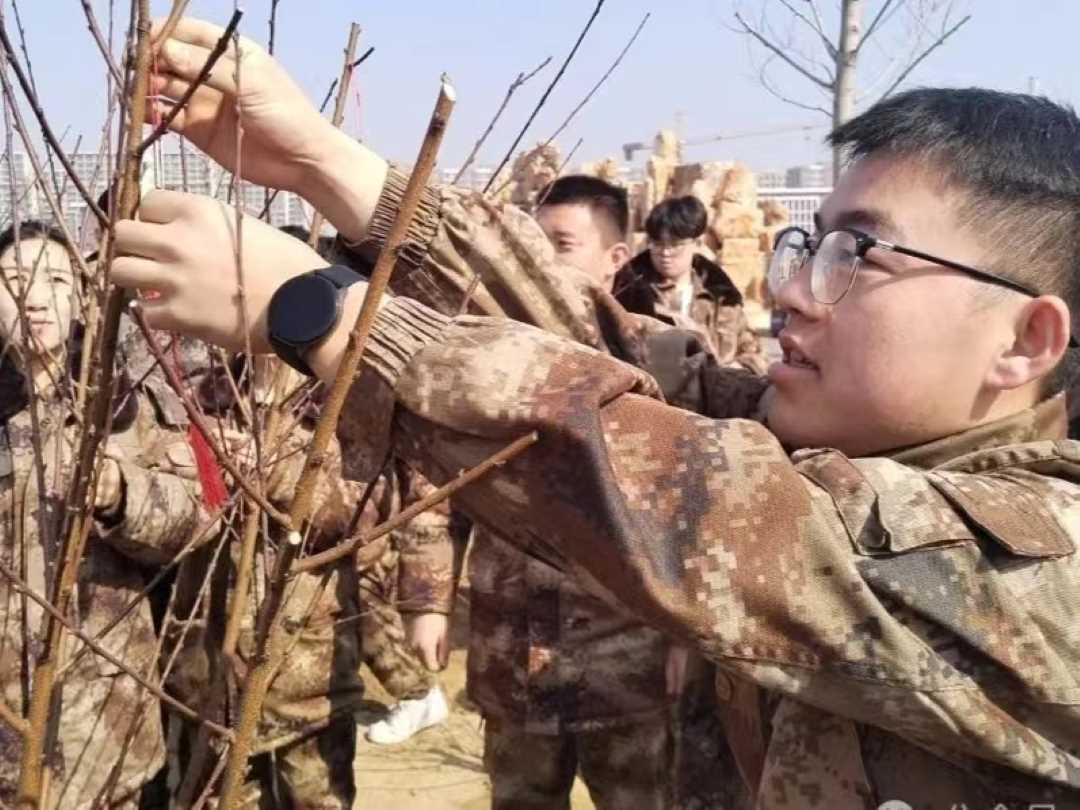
<point>458,235</point>
<point>791,572</point>
<point>336,497</point>
<point>749,353</point>
<point>161,511</point>
<point>429,560</point>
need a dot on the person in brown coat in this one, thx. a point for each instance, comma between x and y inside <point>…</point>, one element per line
<point>107,743</point>
<point>674,282</point>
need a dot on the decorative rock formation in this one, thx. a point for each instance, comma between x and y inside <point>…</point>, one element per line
<point>777,217</point>
<point>607,169</point>
<point>531,172</point>
<point>660,170</point>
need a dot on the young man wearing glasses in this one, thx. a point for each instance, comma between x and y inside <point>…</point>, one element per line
<point>891,549</point>
<point>674,282</point>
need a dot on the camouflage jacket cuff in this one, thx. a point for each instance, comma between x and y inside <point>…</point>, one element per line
<point>422,230</point>
<point>139,525</point>
<point>402,328</point>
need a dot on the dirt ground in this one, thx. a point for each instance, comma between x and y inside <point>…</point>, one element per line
<point>439,769</point>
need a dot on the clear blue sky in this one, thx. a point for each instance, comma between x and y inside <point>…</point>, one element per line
<point>687,63</point>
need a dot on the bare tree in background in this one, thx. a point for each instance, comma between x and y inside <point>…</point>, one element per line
<point>901,34</point>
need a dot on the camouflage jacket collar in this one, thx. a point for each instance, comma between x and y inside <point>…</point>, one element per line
<point>1046,422</point>
<point>708,278</point>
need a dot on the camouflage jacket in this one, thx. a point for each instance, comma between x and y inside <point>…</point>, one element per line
<point>429,548</point>
<point>715,307</point>
<point>319,678</point>
<point>915,612</point>
<point>109,742</point>
<point>544,653</point>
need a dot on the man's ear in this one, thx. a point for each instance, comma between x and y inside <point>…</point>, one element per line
<point>1041,329</point>
<point>620,254</point>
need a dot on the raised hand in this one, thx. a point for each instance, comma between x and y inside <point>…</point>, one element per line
<point>284,135</point>
<point>183,248</point>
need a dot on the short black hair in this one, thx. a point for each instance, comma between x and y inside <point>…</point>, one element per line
<point>32,229</point>
<point>1016,159</point>
<point>677,218</point>
<point>599,195</point>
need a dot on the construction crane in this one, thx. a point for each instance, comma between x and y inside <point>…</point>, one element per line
<point>629,149</point>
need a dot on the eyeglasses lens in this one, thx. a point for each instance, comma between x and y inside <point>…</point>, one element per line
<point>833,268</point>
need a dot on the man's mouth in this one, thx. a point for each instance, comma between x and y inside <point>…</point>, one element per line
<point>794,356</point>
<point>797,359</point>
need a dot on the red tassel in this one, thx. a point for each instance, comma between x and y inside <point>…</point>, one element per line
<point>210,478</point>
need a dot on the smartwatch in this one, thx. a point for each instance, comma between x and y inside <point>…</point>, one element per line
<point>304,310</point>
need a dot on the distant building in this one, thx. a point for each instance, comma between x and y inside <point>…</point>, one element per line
<point>16,186</point>
<point>802,203</point>
<point>189,170</point>
<point>771,178</point>
<point>812,175</point>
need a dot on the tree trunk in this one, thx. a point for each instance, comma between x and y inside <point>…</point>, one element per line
<point>844,92</point>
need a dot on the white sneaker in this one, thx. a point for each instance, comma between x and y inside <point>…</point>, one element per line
<point>409,717</point>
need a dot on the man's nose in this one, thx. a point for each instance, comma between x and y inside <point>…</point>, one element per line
<point>795,295</point>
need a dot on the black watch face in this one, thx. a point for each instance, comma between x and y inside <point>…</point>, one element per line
<point>303,310</point>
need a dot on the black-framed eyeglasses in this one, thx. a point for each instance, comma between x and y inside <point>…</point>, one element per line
<point>835,258</point>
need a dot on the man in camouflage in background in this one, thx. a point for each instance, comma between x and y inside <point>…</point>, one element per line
<point>910,594</point>
<point>306,742</point>
<point>671,280</point>
<point>566,683</point>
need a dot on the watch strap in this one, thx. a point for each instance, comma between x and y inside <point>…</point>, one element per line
<point>292,354</point>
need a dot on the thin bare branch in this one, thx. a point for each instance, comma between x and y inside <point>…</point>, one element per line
<point>878,20</point>
<point>204,74</point>
<point>197,539</point>
<point>763,79</point>
<point>273,26</point>
<point>329,95</point>
<point>753,32</point>
<point>97,419</point>
<point>514,85</point>
<point>363,58</point>
<point>103,47</point>
<point>603,79</point>
<point>175,15</point>
<point>33,84</point>
<point>22,587</point>
<point>12,720</point>
<point>268,632</point>
<point>35,163</point>
<point>197,418</point>
<point>462,480</point>
<point>46,129</point>
<point>930,49</point>
<point>540,104</point>
<point>814,24</point>
<point>339,110</point>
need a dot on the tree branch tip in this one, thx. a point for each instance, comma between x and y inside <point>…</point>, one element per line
<point>447,89</point>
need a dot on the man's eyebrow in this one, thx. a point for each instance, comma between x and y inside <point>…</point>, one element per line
<point>873,220</point>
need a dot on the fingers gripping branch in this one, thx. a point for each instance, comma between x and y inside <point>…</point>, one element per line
<point>204,74</point>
